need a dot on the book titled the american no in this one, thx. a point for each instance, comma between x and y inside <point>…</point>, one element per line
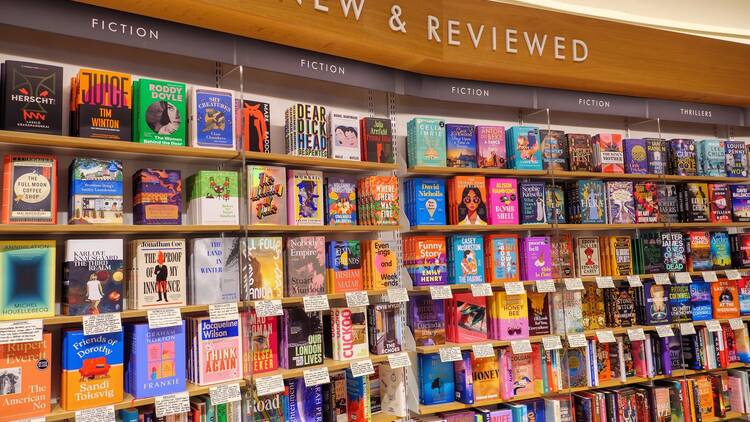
<point>214,270</point>
<point>154,360</point>
<point>93,276</point>
<point>27,369</point>
<point>217,350</point>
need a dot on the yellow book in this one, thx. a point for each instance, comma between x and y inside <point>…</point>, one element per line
<point>486,378</point>
<point>620,253</point>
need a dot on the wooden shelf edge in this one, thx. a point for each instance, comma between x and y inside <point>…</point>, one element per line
<point>318,162</point>
<point>113,228</point>
<point>320,229</point>
<point>332,365</point>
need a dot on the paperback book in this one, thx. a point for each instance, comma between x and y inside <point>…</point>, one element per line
<point>158,275</point>
<point>581,151</point>
<point>532,203</point>
<point>154,360</point>
<point>384,328</point>
<point>301,342</point>
<point>491,149</point>
<point>216,350</point>
<point>608,153</point>
<point>305,264</point>
<point>344,266</point>
<point>710,156</point>
<point>260,347</point>
<point>160,112</point>
<point>657,156</point>
<point>524,149</point>
<point>555,154</point>
<point>305,197</point>
<point>345,143</point>
<point>28,374</point>
<point>647,205</point>
<point>32,97</point>
<point>461,145</point>
<point>92,370</point>
<point>427,320</point>
<point>501,256</point>
<point>377,140</point>
<point>635,155</point>
<point>425,201</point>
<point>263,276</point>
<point>340,201</point>
<point>620,206</point>
<point>465,259</point>
<point>740,202</point>
<point>213,198</point>
<point>426,142</point>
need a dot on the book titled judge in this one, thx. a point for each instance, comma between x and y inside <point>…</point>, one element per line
<point>212,118</point>
<point>29,189</point>
<point>256,130</point>
<point>101,105</point>
<point>27,374</point>
<point>344,130</point>
<point>305,264</point>
<point>28,270</point>
<point>93,276</point>
<point>214,270</point>
<point>491,147</point>
<point>32,97</point>
<point>216,350</point>
<point>92,370</point>
<point>461,145</point>
<point>154,360</point>
<point>264,268</point>
<point>157,197</point>
<point>213,198</point>
<point>377,140</point>
<point>158,275</point>
<point>96,191</point>
<point>301,342</point>
<point>160,115</point>
<point>267,194</point>
<point>305,197</point>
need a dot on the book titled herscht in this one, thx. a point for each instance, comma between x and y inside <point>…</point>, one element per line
<point>377,140</point>
<point>96,191</point>
<point>101,105</point>
<point>158,277</point>
<point>344,130</point>
<point>267,194</point>
<point>491,151</point>
<point>212,118</point>
<point>29,189</point>
<point>214,270</point>
<point>263,274</point>
<point>93,276</point>
<point>213,198</point>
<point>306,266</point>
<point>155,360</point>
<point>301,338</point>
<point>32,97</point>
<point>157,197</point>
<point>461,145</point>
<point>256,126</point>
<point>28,270</point>
<point>555,152</point>
<point>160,112</point>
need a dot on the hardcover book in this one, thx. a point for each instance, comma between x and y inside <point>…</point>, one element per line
<point>32,97</point>
<point>539,318</point>
<point>736,158</point>
<point>101,105</point>
<point>380,268</point>
<point>340,201</point>
<point>427,320</point>
<point>721,253</point>
<point>710,157</point>
<point>652,250</point>
<point>562,256</point>
<point>158,277</point>
<point>92,370</point>
<point>554,149</point>
<point>465,259</point>
<point>656,303</point>
<point>620,206</point>
<point>468,196</point>
<point>160,114</point>
<point>214,270</point>
<point>666,199</point>
<point>502,201</point>
<point>28,270</point>
<point>555,204</point>
<point>267,194</point>
<point>682,157</point>
<point>305,197</point>
<point>264,268</point>
<point>491,149</point>
<point>657,156</point>
<point>700,301</point>
<point>216,350</point>
<point>532,203</point>
<point>581,151</point>
<point>608,153</point>
<point>593,307</point>
<point>349,329</point>
<point>524,149</point>
<point>673,250</point>
<point>212,118</point>
<point>96,191</point>
<point>154,360</point>
<point>586,202</point>
<point>461,145</point>
<point>28,378</point>
<point>301,342</point>
<point>384,328</point>
<point>636,157</point>
<point>696,202</point>
<point>344,130</point>
<point>466,318</point>
<point>93,276</point>
<point>425,258</point>
<point>588,257</point>
<point>305,264</point>
<point>486,378</point>
<point>436,379</point>
<point>647,206</point>
<point>566,312</point>
<point>256,128</point>
<point>213,198</point>
<point>426,142</point>
<point>720,203</point>
<point>29,189</point>
<point>303,403</point>
<point>679,303</point>
<point>344,266</point>
<point>699,251</point>
<point>157,197</point>
<point>377,140</point>
<point>262,355</point>
<point>724,299</point>
<point>740,203</point>
<point>464,378</point>
<point>513,316</point>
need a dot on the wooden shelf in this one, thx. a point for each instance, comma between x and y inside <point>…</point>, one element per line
<point>488,228</point>
<point>58,414</point>
<point>331,296</point>
<point>385,417</point>
<point>332,365</point>
<point>317,163</point>
<point>273,228</point>
<point>130,314</point>
<point>608,227</point>
<point>708,225</point>
<point>571,227</point>
<point>112,228</point>
<point>451,171</point>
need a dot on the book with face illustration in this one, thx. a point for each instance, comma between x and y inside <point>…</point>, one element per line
<point>656,303</point>
<point>345,139</point>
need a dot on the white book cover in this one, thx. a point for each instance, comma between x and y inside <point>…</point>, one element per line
<point>350,333</point>
<point>393,391</point>
<point>212,118</point>
<point>160,278</point>
<point>345,137</point>
<point>215,270</point>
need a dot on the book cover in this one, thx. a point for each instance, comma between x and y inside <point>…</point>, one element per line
<point>720,203</point>
<point>736,158</point>
<point>588,257</point>
<point>592,201</point>
<point>700,301</point>
<point>344,268</point>
<point>682,157</point>
<point>469,314</point>
<point>502,201</point>
<point>428,207</point>
<point>28,270</point>
<point>635,155</point>
<point>652,250</point>
<point>305,264</point>
<point>657,156</point>
<point>301,342</point>
<point>657,303</point>
<point>502,258</point>
<point>710,157</point>
<point>743,294</point>
<point>491,147</point>
<point>699,248</point>
<point>358,398</point>
<point>464,378</point>
<point>384,328</point>
<point>575,363</point>
<point>32,97</point>
<point>696,198</point>
<point>158,275</point>
<point>160,112</point>
<point>679,303</point>
<point>486,378</point>
<point>377,140</point>
<point>740,202</point>
<point>96,191</point>
<point>93,276</point>
<point>378,198</point>
<point>468,196</point>
<point>593,307</point>
<point>92,370</point>
<point>214,270</point>
<point>673,250</point>
<point>101,105</point>
<point>724,299</point>
<point>256,126</point>
<point>344,130</point>
<point>305,197</point>
<point>513,315</point>
<point>349,329</point>
<point>554,149</point>
<point>27,382</point>
<point>436,380</point>
<point>154,360</point>
<point>425,259</point>
<point>538,309</point>
<point>380,268</point>
<point>466,259</point>
<point>555,204</point>
<point>264,268</point>
<point>566,312</point>
<point>260,347</point>
<point>608,153</point>
<point>524,149</point>
<point>427,320</point>
<point>29,189</point>
<point>721,254</point>
<point>340,201</point>
<point>461,145</point>
<point>532,203</point>
<point>523,374</point>
<point>217,350</point>
<point>267,194</point>
<point>157,197</point>
<point>666,198</point>
<point>303,403</point>
<point>426,142</point>
<point>581,151</point>
<point>620,205</point>
<point>562,256</point>
<point>537,262</point>
<point>213,198</point>
<point>647,206</point>
<point>212,118</point>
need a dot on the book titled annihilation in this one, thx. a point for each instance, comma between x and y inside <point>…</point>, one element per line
<point>32,97</point>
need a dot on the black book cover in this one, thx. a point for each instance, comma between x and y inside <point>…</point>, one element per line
<point>377,140</point>
<point>32,97</point>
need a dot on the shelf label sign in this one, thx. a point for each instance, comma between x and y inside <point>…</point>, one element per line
<point>481,289</point>
<point>709,276</point>
<point>25,331</point>
<point>552,343</point>
<point>225,393</point>
<point>605,282</point>
<point>662,279</point>
<point>172,404</point>
<point>514,288</point>
<point>687,328</point>
<point>267,308</point>
<point>450,354</point>
<point>355,299</point>
<point>483,350</point>
<point>361,368</point>
<point>605,336</point>
<point>577,340</point>
<point>96,414</point>
<point>520,347</point>
<point>398,295</point>
<point>545,286</point>
<point>574,283</point>
<point>102,323</point>
<point>441,292</point>
<point>399,360</point>
<point>220,312</point>
<point>164,317</point>
<point>635,281</point>
<point>316,303</point>
<point>664,331</point>
<point>269,385</point>
<point>683,278</point>
<point>316,376</point>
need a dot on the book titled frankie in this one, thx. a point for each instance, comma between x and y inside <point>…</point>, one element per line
<point>155,360</point>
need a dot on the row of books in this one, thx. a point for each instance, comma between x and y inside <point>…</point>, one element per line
<point>476,200</point>
<point>432,142</point>
<point>506,375</point>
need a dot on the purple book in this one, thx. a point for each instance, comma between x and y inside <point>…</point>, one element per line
<point>427,320</point>
<point>666,359</point>
<point>491,151</point>
<point>536,258</point>
<point>157,197</point>
<point>464,376</point>
<point>155,360</point>
<point>636,161</point>
<point>458,416</point>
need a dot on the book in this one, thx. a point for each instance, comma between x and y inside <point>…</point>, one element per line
<point>212,118</point>
<point>154,360</point>
<point>305,265</point>
<point>467,197</point>
<point>340,201</point>
<point>461,145</point>
<point>214,270</point>
<point>344,131</point>
<point>555,154</point>
<point>303,403</point>
<point>427,320</point>
<point>581,151</point>
<point>635,156</point>
<point>491,149</point>
<point>28,270</point>
<point>426,142</point>
<point>621,208</point>
<point>425,259</point>
<point>32,97</point>
<point>699,251</point>
<point>513,316</point>
<point>524,149</point>
<point>27,378</point>
<point>158,275</point>
<point>384,328</point>
<point>376,140</point>
<point>96,191</point>
<point>721,253</point>
<point>101,105</point>
<point>679,304</point>
<point>593,307</point>
<point>466,318</point>
<point>380,269</point>
<point>538,309</point>
<point>736,158</point>
<point>536,254</point>
<point>464,378</point>
<point>502,259</point>
<point>157,197</point>
<point>695,202</point>
<point>673,251</point>
<point>666,199</point>
<point>378,200</point>
<point>343,266</point>
<point>700,301</point>
<point>436,379</point>
<point>92,370</point>
<point>349,329</point>
<point>562,256</point>
<point>531,200</point>
<point>657,156</point>
<point>588,257</point>
<point>651,250</point>
<point>465,259</point>
<point>608,153</point>
<point>720,203</point>
<point>305,197</point>
<point>264,268</point>
<point>93,276</point>
<point>256,126</point>
<point>160,112</point>
<point>656,301</point>
<point>586,201</point>
<point>486,378</point>
<point>358,398</point>
<point>555,204</point>
<point>724,299</point>
<point>267,194</point>
<point>740,202</point>
<point>710,157</point>
<point>29,189</point>
<point>647,206</point>
<point>216,350</point>
<point>575,363</point>
<point>682,157</point>
<point>425,201</point>
<point>502,200</point>
<point>213,198</point>
<point>260,347</point>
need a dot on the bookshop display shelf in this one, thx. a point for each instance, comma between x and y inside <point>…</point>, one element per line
<point>445,407</point>
<point>131,314</point>
<point>273,228</point>
<point>538,339</point>
<point>114,228</point>
<point>331,296</point>
<point>58,414</point>
<point>561,174</point>
<point>332,365</point>
<point>385,417</point>
<point>454,228</point>
<point>317,162</point>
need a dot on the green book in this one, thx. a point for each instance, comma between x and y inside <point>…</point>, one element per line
<point>213,197</point>
<point>426,142</point>
<point>160,112</point>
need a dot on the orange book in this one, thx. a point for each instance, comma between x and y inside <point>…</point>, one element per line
<point>705,396</point>
<point>25,378</point>
<point>92,370</point>
<point>725,303</point>
<point>468,200</point>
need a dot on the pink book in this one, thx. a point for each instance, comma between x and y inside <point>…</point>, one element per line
<point>470,317</point>
<point>514,316</point>
<point>639,358</point>
<point>735,394</point>
<point>523,374</point>
<point>503,201</point>
<point>491,147</point>
<point>506,373</point>
<point>219,351</point>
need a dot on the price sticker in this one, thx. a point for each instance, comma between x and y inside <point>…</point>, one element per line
<point>514,288</point>
<point>398,295</point>
<point>605,336</point>
<point>220,312</point>
<point>225,393</point>
<point>577,340</point>
<point>635,281</point>
<point>545,286</point>
<point>605,282</point>
<point>26,331</point>
<point>636,334</point>
<point>687,328</point>
<point>267,308</point>
<point>520,347</point>
<point>713,326</point>
<point>683,278</point>
<point>266,386</point>
<point>316,376</point>
<point>172,404</point>
<point>709,276</point>
<point>481,289</point>
<point>732,274</point>
<point>552,342</point>
<point>573,283</point>
<point>484,350</point>
<point>316,303</point>
<point>356,299</point>
<point>736,323</point>
<point>164,317</point>
<point>662,279</point>
<point>96,414</point>
<point>361,368</point>
<point>399,360</point>
<point>441,292</point>
<point>102,323</point>
<point>450,354</point>
<point>664,331</point>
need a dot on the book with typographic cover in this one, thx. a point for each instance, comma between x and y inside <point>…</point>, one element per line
<point>29,189</point>
<point>491,149</point>
<point>263,273</point>
<point>92,370</point>
<point>216,350</point>
<point>461,145</point>
<point>260,345</point>
<point>305,264</point>
<point>344,266</point>
<point>26,372</point>
<point>502,200</point>
<point>266,194</point>
<point>154,360</point>
<point>340,201</point>
<point>158,277</point>
<point>724,299</point>
<point>427,320</point>
<point>160,112</point>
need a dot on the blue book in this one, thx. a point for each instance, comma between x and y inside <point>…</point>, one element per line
<point>532,202</point>
<point>461,145</point>
<point>740,202</point>
<point>592,201</point>
<point>427,198</point>
<point>743,294</point>
<point>465,259</point>
<point>128,415</point>
<point>464,378</point>
<point>92,367</point>
<point>736,158</point>
<point>523,146</point>
<point>504,250</point>
<point>680,309</point>
<point>657,303</point>
<point>155,360</point>
<point>636,158</point>
<point>700,301</point>
<point>305,404</point>
<point>436,379</point>
<point>357,396</point>
<point>212,118</point>
<point>721,251</point>
<point>535,409</point>
<point>710,157</point>
<point>519,412</point>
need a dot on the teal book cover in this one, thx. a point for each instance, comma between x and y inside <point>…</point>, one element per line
<point>721,253</point>
<point>426,142</point>
<point>523,145</point>
<point>27,268</point>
